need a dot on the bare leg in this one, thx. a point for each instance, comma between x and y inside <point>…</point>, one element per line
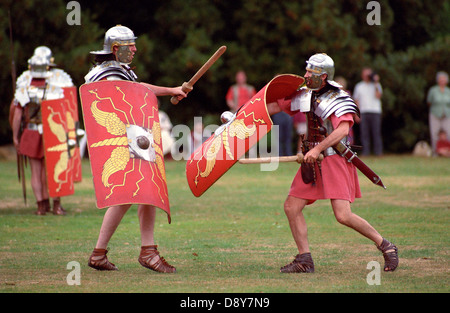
<point>293,207</point>
<point>44,180</point>
<point>147,214</point>
<point>36,178</point>
<point>303,263</point>
<point>345,216</point>
<point>149,256</point>
<point>111,220</point>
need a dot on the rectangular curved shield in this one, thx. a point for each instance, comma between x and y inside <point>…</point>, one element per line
<point>124,143</point>
<point>234,138</point>
<point>71,97</point>
<point>56,120</point>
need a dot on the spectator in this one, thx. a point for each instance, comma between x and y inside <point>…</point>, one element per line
<point>438,100</point>
<point>367,95</point>
<point>239,93</point>
<point>285,124</point>
<point>443,144</point>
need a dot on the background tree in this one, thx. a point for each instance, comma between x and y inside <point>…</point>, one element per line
<point>264,38</point>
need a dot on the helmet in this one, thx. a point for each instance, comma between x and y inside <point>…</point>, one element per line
<point>39,67</point>
<point>45,52</point>
<point>321,63</point>
<point>116,36</point>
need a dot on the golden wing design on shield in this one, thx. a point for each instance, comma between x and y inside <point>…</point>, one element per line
<point>117,162</point>
<point>120,155</point>
<point>63,161</point>
<point>211,155</point>
<point>56,128</point>
<point>236,129</point>
<point>159,155</point>
<point>240,130</point>
<point>109,120</point>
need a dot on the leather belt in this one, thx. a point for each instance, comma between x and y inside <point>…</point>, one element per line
<point>36,127</point>
<point>327,152</point>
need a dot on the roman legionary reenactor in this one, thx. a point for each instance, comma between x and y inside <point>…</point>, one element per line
<point>123,133</point>
<point>40,84</point>
<point>330,113</point>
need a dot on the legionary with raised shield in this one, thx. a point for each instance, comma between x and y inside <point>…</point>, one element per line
<point>330,113</point>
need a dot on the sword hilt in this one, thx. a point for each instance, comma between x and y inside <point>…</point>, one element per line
<point>186,87</point>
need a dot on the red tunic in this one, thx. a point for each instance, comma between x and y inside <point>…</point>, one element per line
<point>338,178</point>
<point>31,141</point>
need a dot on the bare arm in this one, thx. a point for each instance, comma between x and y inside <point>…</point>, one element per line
<point>273,108</point>
<point>166,91</point>
<point>16,126</point>
<point>340,132</point>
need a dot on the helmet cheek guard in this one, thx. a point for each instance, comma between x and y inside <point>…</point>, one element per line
<point>124,54</point>
<point>318,65</point>
<point>314,81</point>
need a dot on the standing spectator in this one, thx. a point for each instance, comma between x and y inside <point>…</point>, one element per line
<point>239,93</point>
<point>367,95</point>
<point>438,100</point>
<point>285,124</point>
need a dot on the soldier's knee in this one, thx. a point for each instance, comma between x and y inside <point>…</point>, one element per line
<point>293,206</point>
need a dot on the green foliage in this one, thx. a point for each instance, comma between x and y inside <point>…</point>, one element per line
<point>264,38</point>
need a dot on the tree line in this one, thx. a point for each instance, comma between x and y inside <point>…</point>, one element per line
<point>264,38</point>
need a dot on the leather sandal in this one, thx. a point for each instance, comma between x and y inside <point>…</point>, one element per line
<point>150,258</point>
<point>41,208</point>
<point>46,203</point>
<point>99,261</point>
<point>303,263</point>
<point>57,208</point>
<point>390,255</point>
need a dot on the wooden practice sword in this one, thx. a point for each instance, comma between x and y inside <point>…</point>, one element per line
<point>292,158</point>
<point>188,86</point>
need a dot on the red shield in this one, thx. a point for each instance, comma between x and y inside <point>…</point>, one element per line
<point>124,142</point>
<point>70,96</point>
<point>58,153</point>
<point>233,139</point>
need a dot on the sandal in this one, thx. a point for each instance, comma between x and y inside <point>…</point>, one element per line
<point>303,263</point>
<point>99,261</point>
<point>57,208</point>
<point>390,254</point>
<point>150,258</point>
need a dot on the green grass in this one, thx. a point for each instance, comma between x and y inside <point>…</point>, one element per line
<point>236,237</point>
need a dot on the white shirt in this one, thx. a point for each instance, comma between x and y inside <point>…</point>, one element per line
<point>364,93</point>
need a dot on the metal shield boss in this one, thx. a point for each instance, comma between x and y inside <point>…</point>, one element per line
<point>57,124</point>
<point>124,143</point>
<point>237,135</point>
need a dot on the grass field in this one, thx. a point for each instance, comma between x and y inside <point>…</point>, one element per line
<point>236,237</point>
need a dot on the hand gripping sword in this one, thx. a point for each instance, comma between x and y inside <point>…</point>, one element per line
<point>188,86</point>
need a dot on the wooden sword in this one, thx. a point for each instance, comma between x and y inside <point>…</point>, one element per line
<point>188,86</point>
